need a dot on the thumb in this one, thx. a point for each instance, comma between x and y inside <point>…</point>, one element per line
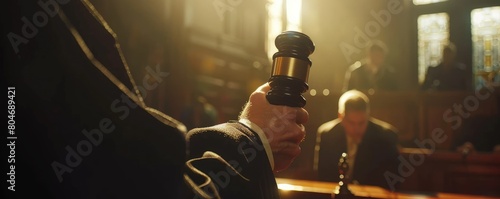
<point>264,88</point>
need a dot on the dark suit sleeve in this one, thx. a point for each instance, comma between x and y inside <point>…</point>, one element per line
<point>327,165</point>
<point>393,150</point>
<point>243,169</point>
<point>390,162</point>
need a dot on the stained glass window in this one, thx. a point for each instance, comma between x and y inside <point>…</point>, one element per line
<point>278,22</point>
<point>486,44</point>
<point>433,34</point>
<point>422,2</point>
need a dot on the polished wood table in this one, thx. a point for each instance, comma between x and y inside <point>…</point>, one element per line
<point>291,188</point>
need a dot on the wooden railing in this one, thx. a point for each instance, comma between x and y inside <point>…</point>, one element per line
<point>475,173</point>
<point>415,114</point>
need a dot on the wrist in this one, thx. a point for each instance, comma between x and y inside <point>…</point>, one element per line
<point>260,133</point>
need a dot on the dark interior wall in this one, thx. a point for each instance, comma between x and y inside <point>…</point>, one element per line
<point>225,47</point>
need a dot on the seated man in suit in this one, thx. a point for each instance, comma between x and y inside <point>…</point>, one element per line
<point>371,144</point>
<point>239,157</point>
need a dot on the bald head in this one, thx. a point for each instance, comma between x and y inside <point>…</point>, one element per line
<point>353,100</point>
<point>354,110</point>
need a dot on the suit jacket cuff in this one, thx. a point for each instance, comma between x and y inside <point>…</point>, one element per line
<point>254,127</point>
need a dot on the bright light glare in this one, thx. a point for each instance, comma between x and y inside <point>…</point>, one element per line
<point>293,14</point>
<point>326,92</point>
<point>277,21</point>
<point>312,92</point>
<point>275,24</point>
<point>289,187</point>
<point>423,2</point>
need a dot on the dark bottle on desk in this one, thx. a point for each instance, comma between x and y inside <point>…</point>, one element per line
<point>342,191</point>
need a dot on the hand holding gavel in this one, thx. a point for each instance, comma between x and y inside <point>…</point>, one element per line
<point>276,107</point>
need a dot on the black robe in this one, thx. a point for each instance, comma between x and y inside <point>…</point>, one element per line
<point>82,129</point>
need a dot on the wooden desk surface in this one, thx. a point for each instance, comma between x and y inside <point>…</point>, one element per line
<point>326,188</point>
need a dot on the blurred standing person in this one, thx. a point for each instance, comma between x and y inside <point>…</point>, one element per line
<point>449,75</point>
<point>371,73</point>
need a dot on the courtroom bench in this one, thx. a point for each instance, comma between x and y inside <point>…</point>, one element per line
<point>454,172</point>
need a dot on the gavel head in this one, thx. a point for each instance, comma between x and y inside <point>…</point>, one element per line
<point>290,69</point>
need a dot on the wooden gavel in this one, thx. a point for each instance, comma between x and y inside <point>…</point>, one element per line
<point>290,69</point>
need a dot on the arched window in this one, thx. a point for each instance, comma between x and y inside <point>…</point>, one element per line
<point>485,27</point>
<point>433,34</point>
